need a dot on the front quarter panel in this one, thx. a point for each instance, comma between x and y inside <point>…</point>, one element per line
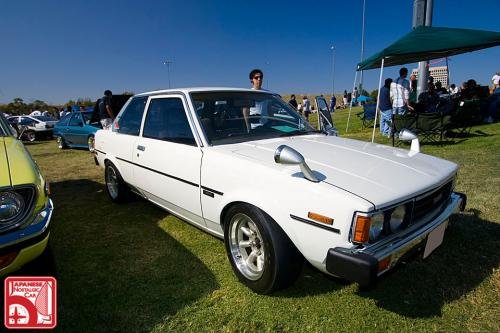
<point>280,191</point>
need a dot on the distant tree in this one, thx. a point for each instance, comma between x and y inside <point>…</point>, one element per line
<point>38,105</point>
<point>84,101</point>
<point>126,92</point>
<point>374,94</point>
<point>17,106</point>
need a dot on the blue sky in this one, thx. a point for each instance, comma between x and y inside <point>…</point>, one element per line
<point>61,50</point>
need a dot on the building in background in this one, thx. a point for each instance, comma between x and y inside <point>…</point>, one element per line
<point>439,73</point>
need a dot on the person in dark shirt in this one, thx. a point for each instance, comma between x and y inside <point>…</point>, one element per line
<point>385,106</point>
<point>293,102</point>
<point>105,111</point>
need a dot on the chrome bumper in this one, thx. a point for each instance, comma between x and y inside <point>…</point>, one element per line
<point>31,232</point>
<point>362,265</point>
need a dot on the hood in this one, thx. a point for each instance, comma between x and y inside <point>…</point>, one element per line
<point>380,174</point>
<point>16,165</point>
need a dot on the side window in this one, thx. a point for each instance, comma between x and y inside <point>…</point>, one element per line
<point>76,120</point>
<point>64,120</point>
<point>129,121</point>
<point>166,120</point>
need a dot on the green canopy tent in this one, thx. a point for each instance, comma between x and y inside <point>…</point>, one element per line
<point>426,43</point>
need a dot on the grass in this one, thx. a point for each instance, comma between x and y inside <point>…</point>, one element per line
<point>135,268</point>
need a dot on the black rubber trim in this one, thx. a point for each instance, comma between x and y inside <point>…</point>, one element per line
<point>315,224</point>
<point>160,173</point>
<point>358,267</point>
<point>212,190</point>
<point>100,152</point>
<point>24,244</point>
<point>208,193</point>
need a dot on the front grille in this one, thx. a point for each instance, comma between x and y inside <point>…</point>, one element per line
<point>427,207</point>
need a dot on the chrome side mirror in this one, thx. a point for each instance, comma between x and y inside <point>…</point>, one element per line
<point>289,156</point>
<point>406,135</point>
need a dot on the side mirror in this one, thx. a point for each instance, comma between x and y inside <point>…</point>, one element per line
<point>406,135</point>
<point>289,156</point>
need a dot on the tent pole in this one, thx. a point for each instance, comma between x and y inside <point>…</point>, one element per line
<point>378,98</point>
<point>350,105</point>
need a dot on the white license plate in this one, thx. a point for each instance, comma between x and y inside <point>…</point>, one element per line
<point>434,239</point>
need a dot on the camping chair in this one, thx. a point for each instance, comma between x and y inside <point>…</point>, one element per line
<point>467,114</point>
<point>400,122</point>
<point>368,115</point>
<point>432,126</point>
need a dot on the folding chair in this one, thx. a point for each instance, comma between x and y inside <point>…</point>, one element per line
<point>368,115</point>
<point>400,122</point>
<point>467,114</point>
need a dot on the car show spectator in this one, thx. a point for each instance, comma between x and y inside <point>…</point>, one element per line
<point>496,79</point>
<point>385,106</point>
<point>400,93</point>
<point>293,101</point>
<point>306,107</point>
<point>106,114</point>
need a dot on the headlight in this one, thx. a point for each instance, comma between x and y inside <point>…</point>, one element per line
<point>397,218</point>
<point>11,206</point>
<point>377,226</point>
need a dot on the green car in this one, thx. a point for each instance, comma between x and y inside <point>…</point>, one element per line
<point>25,206</point>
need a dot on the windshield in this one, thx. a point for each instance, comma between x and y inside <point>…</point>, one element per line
<point>5,127</point>
<point>44,118</point>
<point>231,117</point>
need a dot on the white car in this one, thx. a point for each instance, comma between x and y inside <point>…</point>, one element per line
<point>246,167</point>
<point>33,126</point>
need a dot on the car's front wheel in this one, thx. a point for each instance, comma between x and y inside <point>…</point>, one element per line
<point>261,254</point>
<point>61,144</point>
<point>91,143</point>
<point>116,188</point>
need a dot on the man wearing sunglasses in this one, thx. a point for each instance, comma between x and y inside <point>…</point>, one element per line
<point>256,77</point>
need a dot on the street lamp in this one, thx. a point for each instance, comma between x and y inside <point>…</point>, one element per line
<point>168,62</point>
<point>333,69</point>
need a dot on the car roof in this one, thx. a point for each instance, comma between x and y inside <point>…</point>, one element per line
<point>200,89</point>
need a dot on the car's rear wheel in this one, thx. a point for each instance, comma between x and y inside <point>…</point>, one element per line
<point>61,143</point>
<point>261,254</point>
<point>116,188</point>
<point>91,143</point>
<point>30,136</point>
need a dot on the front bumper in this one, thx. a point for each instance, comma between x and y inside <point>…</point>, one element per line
<point>24,245</point>
<point>365,265</point>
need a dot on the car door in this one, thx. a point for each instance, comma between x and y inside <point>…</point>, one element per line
<point>75,133</point>
<point>127,127</point>
<point>167,158</point>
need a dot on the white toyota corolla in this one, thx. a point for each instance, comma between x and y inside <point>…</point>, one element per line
<point>243,165</point>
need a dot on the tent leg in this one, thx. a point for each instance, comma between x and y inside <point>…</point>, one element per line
<point>378,99</point>
<point>350,106</point>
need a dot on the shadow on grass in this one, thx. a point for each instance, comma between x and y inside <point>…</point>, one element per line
<point>116,269</point>
<point>421,288</point>
<point>466,258</point>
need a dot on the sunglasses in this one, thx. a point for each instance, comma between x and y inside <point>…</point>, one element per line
<point>257,77</point>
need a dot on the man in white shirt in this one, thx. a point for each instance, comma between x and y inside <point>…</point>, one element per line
<point>496,79</point>
<point>400,93</point>
<point>256,77</point>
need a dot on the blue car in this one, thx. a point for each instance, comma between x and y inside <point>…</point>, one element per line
<point>75,130</point>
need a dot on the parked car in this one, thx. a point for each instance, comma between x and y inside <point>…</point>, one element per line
<point>75,130</point>
<point>25,206</point>
<point>33,127</point>
<point>244,166</point>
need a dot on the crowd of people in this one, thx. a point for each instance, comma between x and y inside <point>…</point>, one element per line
<point>399,96</point>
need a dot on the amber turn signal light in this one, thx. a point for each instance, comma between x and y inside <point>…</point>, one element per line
<point>384,264</point>
<point>320,218</point>
<point>362,229</point>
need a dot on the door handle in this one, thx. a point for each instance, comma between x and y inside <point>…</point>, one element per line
<point>141,148</point>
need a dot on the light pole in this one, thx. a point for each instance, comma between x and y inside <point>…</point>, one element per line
<point>333,69</point>
<point>360,90</point>
<point>168,62</point>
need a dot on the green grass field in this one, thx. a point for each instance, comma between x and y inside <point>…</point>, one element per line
<point>135,268</point>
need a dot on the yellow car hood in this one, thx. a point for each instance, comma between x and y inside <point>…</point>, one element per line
<point>16,165</point>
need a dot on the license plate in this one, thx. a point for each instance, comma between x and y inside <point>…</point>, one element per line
<point>434,239</point>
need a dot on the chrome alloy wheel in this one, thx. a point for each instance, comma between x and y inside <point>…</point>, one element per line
<point>112,181</point>
<point>247,246</point>
<point>60,142</point>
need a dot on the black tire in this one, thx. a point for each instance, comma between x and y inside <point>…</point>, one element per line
<point>116,188</point>
<point>279,259</point>
<point>30,136</point>
<point>61,143</point>
<point>91,143</point>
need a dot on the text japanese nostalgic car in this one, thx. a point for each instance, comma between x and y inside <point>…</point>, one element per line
<point>25,207</point>
<point>244,166</point>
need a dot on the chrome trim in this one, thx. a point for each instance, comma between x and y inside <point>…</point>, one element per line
<point>398,245</point>
<point>31,231</point>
